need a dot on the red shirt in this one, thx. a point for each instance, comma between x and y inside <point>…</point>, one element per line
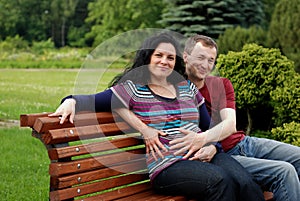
<point>219,94</point>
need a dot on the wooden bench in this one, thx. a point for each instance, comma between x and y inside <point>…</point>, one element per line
<point>99,157</point>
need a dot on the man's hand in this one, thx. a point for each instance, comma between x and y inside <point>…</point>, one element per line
<point>192,142</point>
<point>65,109</point>
<point>152,141</point>
<point>205,154</point>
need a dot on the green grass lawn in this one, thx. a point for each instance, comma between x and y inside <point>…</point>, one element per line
<point>24,162</point>
<point>23,166</point>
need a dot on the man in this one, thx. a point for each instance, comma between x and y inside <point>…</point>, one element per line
<point>274,165</point>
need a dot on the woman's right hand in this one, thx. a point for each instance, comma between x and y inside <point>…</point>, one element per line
<point>152,142</point>
<point>64,110</point>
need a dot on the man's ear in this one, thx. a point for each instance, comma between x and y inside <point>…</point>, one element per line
<point>184,56</point>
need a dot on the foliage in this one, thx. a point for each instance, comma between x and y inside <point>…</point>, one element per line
<point>233,39</point>
<point>109,18</point>
<point>211,17</point>
<point>269,6</point>
<point>36,20</point>
<point>24,18</point>
<point>286,101</point>
<point>13,44</point>
<point>61,12</point>
<point>262,134</point>
<point>289,133</point>
<point>41,46</point>
<point>255,72</point>
<point>284,29</point>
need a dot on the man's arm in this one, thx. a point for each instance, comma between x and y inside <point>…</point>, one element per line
<point>225,128</point>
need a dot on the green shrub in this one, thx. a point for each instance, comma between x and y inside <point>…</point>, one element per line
<point>255,72</point>
<point>233,39</point>
<point>13,44</point>
<point>284,29</point>
<point>286,101</point>
<point>289,133</point>
<point>41,46</point>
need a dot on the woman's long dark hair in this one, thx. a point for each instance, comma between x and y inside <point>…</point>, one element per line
<point>142,60</point>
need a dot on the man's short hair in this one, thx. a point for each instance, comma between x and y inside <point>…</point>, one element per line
<point>205,41</point>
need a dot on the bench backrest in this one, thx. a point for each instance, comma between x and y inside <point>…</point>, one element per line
<point>99,157</point>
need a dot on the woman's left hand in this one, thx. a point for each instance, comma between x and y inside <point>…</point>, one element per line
<point>205,154</point>
<point>152,142</point>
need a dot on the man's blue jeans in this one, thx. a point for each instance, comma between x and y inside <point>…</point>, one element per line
<point>223,179</point>
<point>274,165</point>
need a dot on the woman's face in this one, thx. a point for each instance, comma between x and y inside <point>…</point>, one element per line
<point>162,61</point>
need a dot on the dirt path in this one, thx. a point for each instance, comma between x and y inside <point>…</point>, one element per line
<point>9,123</point>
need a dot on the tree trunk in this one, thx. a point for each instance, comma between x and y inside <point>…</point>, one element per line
<point>249,126</point>
<point>63,27</point>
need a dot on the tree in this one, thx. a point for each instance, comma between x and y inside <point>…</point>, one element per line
<point>24,18</point>
<point>77,26</point>
<point>233,39</point>
<point>269,6</point>
<point>255,73</point>
<point>109,18</point>
<point>284,29</point>
<point>61,12</point>
<point>210,17</point>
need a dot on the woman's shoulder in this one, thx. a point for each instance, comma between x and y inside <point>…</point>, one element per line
<point>187,86</point>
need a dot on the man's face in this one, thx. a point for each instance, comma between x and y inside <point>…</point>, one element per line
<point>200,62</point>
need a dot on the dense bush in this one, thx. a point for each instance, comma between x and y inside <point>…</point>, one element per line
<point>17,53</point>
<point>289,133</point>
<point>284,29</point>
<point>233,39</point>
<point>286,101</point>
<point>255,72</point>
<point>13,44</point>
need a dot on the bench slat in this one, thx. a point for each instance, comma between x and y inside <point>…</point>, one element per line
<point>120,193</point>
<point>75,179</point>
<point>43,124</point>
<point>95,187</point>
<point>151,195</point>
<point>77,150</point>
<point>85,132</point>
<point>27,120</point>
<point>81,165</point>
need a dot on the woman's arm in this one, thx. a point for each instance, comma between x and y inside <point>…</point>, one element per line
<point>99,102</point>
<point>149,134</point>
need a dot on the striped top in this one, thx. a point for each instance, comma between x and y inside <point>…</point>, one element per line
<point>161,113</point>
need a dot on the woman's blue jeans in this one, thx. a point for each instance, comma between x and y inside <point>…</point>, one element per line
<point>274,165</point>
<point>223,179</point>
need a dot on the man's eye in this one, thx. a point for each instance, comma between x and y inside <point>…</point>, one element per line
<point>210,61</point>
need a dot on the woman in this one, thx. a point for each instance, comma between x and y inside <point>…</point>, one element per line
<point>154,90</point>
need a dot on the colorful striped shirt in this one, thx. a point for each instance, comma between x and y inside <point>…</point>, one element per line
<point>165,114</point>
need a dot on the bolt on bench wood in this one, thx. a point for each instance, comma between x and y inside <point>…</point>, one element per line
<point>99,157</point>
